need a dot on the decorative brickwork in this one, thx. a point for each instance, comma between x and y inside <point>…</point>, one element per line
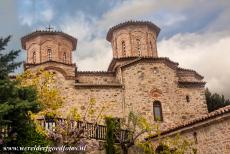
<point>134,38</point>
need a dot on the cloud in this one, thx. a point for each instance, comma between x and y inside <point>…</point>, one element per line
<point>33,13</point>
<point>47,15</point>
<point>101,55</point>
<point>136,9</point>
<point>206,53</point>
<point>93,51</point>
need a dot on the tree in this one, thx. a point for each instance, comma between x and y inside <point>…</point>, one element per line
<point>215,101</point>
<point>15,104</point>
<point>135,127</point>
<point>7,64</point>
<point>136,130</point>
<point>110,138</point>
<point>48,94</point>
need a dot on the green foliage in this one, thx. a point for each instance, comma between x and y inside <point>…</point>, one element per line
<point>215,101</point>
<point>7,64</point>
<point>15,103</point>
<point>146,147</point>
<point>175,145</point>
<point>44,83</point>
<point>163,149</point>
<point>110,138</point>
<point>29,137</point>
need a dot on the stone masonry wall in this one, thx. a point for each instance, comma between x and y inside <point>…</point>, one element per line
<point>207,137</point>
<point>143,79</point>
<point>80,97</point>
<point>96,78</point>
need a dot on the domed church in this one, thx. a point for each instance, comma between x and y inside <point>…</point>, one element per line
<point>136,80</point>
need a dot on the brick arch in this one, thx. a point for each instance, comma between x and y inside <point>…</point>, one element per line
<point>32,45</point>
<point>155,93</point>
<point>48,40</point>
<point>57,69</point>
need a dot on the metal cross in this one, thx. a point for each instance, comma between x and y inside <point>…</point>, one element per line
<point>49,28</point>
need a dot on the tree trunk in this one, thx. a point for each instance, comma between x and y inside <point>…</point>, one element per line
<point>124,150</point>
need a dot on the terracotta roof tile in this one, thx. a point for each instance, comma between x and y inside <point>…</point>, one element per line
<point>189,70</point>
<point>135,59</point>
<point>191,84</point>
<point>210,115</point>
<point>45,32</point>
<point>148,23</point>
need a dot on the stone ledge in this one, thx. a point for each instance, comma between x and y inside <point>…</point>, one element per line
<point>87,85</point>
<point>190,84</point>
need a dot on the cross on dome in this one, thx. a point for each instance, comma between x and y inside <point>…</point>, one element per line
<point>49,28</point>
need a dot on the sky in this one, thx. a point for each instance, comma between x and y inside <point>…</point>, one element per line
<point>195,33</point>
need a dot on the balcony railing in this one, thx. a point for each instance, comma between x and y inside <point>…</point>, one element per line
<point>92,130</point>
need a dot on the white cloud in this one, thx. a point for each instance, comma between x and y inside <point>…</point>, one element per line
<point>78,26</point>
<point>26,19</point>
<point>206,53</point>
<point>47,15</point>
<point>93,51</point>
<point>32,12</point>
<point>136,9</point>
<point>99,60</point>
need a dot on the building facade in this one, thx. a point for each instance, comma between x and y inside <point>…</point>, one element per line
<point>137,79</point>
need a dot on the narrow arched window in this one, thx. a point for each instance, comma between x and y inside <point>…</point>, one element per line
<point>64,57</point>
<point>34,57</point>
<point>49,54</point>
<point>123,48</point>
<point>151,46</point>
<point>157,111</point>
<point>138,47</point>
<point>187,98</point>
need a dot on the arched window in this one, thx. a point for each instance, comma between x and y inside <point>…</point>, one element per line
<point>34,57</point>
<point>123,48</point>
<point>157,111</point>
<point>187,98</point>
<point>151,46</point>
<point>49,54</point>
<point>139,47</point>
<point>64,57</point>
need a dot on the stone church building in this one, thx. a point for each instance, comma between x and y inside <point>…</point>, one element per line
<point>136,80</point>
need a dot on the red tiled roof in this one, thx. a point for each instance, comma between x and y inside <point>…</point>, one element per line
<point>203,118</point>
<point>191,84</point>
<point>45,32</point>
<point>135,59</point>
<point>189,70</point>
<point>127,23</point>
